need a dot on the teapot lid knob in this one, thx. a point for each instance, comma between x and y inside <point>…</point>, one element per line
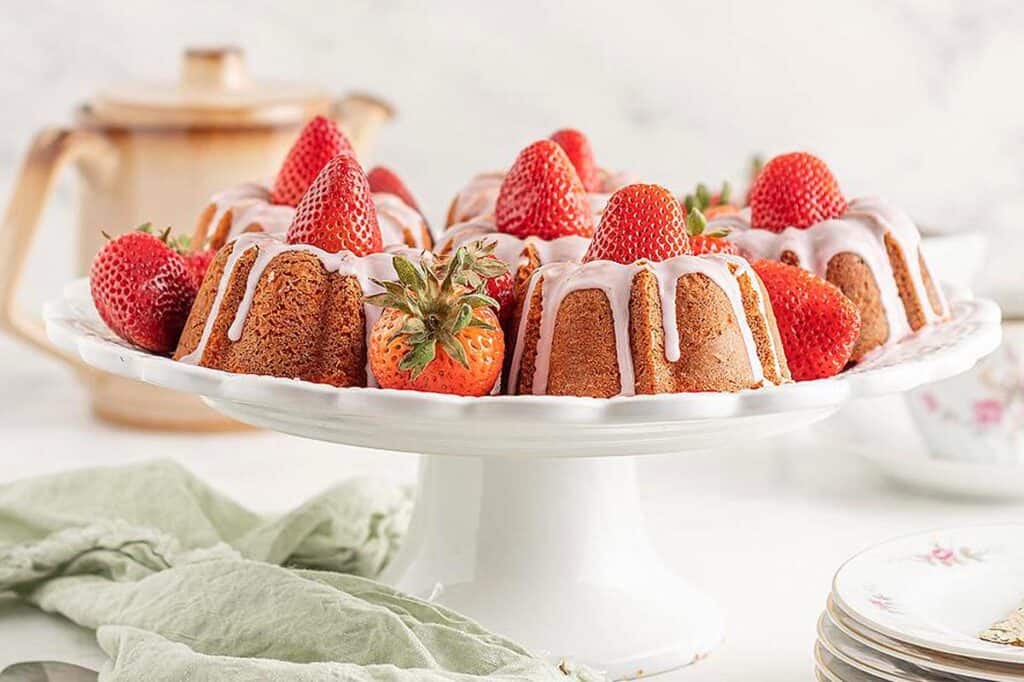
<point>214,68</point>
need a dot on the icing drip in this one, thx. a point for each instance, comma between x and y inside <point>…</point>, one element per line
<point>396,218</point>
<point>478,198</point>
<point>861,231</point>
<point>511,249</point>
<point>364,269</point>
<point>249,203</point>
<point>616,280</point>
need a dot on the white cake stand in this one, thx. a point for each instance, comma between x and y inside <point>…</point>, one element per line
<point>528,517</point>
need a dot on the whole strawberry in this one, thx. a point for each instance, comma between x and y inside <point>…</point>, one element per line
<point>198,262</point>
<point>703,242</point>
<point>436,333</point>
<point>794,190</point>
<point>577,148</point>
<point>143,289</point>
<point>640,222</point>
<point>383,179</point>
<point>319,142</point>
<point>817,323</point>
<point>542,196</point>
<point>337,213</point>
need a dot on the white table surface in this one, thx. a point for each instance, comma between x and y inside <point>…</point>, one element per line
<point>763,530</point>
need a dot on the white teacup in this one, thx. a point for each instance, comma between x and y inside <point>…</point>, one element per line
<point>977,416</point>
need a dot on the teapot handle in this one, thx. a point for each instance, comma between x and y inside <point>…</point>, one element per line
<point>360,116</point>
<point>51,150</point>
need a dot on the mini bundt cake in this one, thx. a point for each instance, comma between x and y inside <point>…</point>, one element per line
<point>270,206</point>
<point>479,197</point>
<point>293,305</point>
<point>244,208</point>
<point>869,249</point>
<point>641,315</point>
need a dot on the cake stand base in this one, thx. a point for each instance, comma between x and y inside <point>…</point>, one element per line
<point>553,553</point>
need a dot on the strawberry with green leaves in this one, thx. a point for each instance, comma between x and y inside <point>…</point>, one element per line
<point>702,241</point>
<point>439,331</point>
<point>711,205</point>
<point>143,288</point>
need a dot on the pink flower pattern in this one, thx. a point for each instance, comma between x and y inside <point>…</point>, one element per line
<point>942,555</point>
<point>988,412</point>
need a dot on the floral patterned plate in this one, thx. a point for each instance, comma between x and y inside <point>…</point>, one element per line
<point>938,590</point>
<point>873,645</point>
<point>830,668</point>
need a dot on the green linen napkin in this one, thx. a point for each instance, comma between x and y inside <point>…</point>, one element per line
<point>184,584</point>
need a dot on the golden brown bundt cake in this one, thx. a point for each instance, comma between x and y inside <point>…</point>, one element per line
<point>868,248</point>
<point>288,310</point>
<point>689,323</point>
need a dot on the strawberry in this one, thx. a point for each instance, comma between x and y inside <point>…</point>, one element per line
<point>817,323</point>
<point>640,222</point>
<point>337,213</point>
<point>542,196</point>
<point>502,289</point>
<point>703,242</point>
<point>577,148</point>
<point>143,289</point>
<point>383,179</point>
<point>319,142</point>
<point>436,333</point>
<point>198,262</point>
<point>794,190</point>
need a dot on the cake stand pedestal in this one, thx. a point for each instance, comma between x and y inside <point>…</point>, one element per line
<point>554,553</point>
<point>528,516</point>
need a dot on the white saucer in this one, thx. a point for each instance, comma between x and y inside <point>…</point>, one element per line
<point>938,590</point>
<point>897,651</point>
<point>831,669</point>
<point>914,468</point>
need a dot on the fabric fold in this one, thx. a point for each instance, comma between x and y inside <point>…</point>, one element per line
<point>182,583</point>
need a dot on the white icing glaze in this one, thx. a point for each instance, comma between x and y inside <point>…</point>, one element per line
<point>478,198</point>
<point>861,231</point>
<point>615,280</point>
<point>249,203</point>
<point>511,249</point>
<point>395,217</point>
<point>364,269</point>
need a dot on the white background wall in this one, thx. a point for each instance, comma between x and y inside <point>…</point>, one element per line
<point>918,100</point>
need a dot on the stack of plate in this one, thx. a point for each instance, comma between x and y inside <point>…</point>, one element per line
<point>915,609</point>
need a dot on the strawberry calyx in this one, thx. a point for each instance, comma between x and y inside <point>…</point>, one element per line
<point>703,199</point>
<point>697,224</point>
<point>181,244</point>
<point>438,301</point>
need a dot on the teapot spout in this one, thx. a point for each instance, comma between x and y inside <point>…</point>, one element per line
<point>360,116</point>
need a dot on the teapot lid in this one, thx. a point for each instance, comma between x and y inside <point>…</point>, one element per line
<point>214,90</point>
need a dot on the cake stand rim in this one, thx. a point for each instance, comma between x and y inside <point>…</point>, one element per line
<point>72,324</point>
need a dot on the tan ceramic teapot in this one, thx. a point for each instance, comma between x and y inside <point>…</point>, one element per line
<point>155,153</point>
